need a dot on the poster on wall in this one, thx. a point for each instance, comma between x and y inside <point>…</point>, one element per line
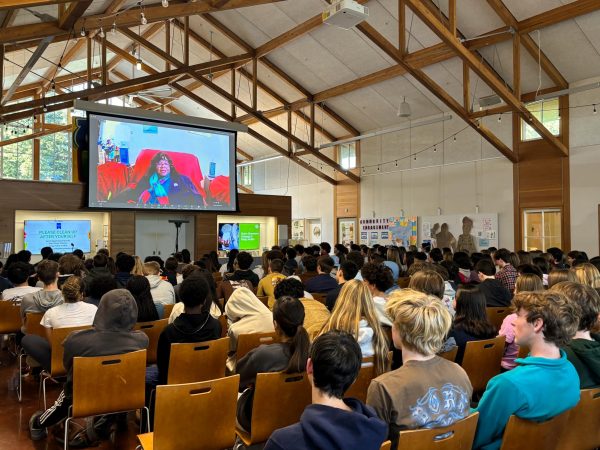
<point>399,231</point>
<point>461,232</point>
<point>314,228</point>
<point>298,229</point>
<point>346,231</point>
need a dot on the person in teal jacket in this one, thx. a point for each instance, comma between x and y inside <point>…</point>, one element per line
<point>545,383</point>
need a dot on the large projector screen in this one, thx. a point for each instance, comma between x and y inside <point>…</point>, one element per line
<point>63,236</point>
<point>154,165</point>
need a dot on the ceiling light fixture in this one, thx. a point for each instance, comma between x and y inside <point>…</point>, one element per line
<point>165,3</point>
<point>403,109</point>
<point>143,19</point>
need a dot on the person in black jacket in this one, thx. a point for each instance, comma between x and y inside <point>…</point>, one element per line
<point>194,325</point>
<point>494,292</point>
<point>125,264</point>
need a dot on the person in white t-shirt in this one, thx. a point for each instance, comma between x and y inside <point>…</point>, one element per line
<point>74,312</point>
<point>18,274</point>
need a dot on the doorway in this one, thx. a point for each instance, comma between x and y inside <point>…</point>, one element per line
<point>155,236</point>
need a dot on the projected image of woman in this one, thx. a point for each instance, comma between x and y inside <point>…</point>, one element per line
<point>163,185</point>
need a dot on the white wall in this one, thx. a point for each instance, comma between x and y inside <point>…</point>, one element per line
<point>585,169</point>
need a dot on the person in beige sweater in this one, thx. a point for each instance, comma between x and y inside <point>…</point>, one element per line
<point>316,313</point>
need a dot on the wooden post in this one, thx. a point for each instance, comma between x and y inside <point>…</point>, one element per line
<point>89,62</point>
<point>167,43</point>
<point>466,88</point>
<point>233,111</point>
<point>452,16</point>
<point>186,41</point>
<point>289,127</point>
<point>402,27</point>
<point>37,124</point>
<point>312,124</point>
<point>1,71</point>
<point>517,65</point>
<point>104,63</point>
<point>255,84</point>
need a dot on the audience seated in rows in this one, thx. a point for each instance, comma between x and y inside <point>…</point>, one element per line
<point>18,274</point>
<point>427,391</point>
<point>323,282</point>
<point>125,265</point>
<point>346,272</point>
<point>161,290</point>
<point>139,286</point>
<point>241,265</point>
<point>332,421</point>
<point>378,278</point>
<point>216,310</point>
<point>507,275</point>
<point>310,269</point>
<point>267,285</point>
<point>49,296</point>
<point>494,292</point>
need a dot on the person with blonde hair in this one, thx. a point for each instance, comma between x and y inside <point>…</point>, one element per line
<point>354,312</point>
<point>430,282</point>
<point>162,291</point>
<point>138,268</point>
<point>544,384</point>
<point>586,273</point>
<point>427,391</point>
<point>558,275</point>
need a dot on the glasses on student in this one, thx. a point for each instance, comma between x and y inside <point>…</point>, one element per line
<point>163,163</point>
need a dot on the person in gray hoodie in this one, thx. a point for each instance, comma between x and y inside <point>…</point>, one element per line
<point>162,291</point>
<point>50,296</point>
<point>584,349</point>
<point>111,334</point>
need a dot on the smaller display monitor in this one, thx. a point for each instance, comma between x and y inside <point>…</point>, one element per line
<point>63,236</point>
<point>249,236</point>
<point>229,236</point>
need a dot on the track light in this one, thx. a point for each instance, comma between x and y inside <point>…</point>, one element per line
<point>113,30</point>
<point>143,19</point>
<point>403,109</point>
<point>165,3</point>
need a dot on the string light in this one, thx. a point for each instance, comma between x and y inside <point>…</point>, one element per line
<point>138,64</point>
<point>454,139</point>
<point>143,19</point>
<point>595,110</point>
<point>500,118</point>
<point>165,3</point>
<point>82,32</point>
<point>113,30</point>
<point>434,148</point>
<point>102,34</point>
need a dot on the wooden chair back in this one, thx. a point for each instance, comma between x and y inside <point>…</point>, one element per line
<point>361,384</point>
<point>450,355</point>
<point>319,297</point>
<point>201,427</point>
<point>583,432</point>
<point>152,330</point>
<point>482,361</point>
<point>120,379</point>
<point>497,314</point>
<point>167,310</point>
<point>33,325</point>
<point>224,325</point>
<point>459,435</point>
<point>264,299</point>
<point>521,434</point>
<point>198,361</point>
<point>247,342</point>
<point>403,282</point>
<point>58,335</point>
<point>387,445</point>
<point>10,317</point>
<point>523,352</point>
<point>279,400</point>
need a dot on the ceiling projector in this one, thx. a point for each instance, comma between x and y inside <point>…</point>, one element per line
<point>345,14</point>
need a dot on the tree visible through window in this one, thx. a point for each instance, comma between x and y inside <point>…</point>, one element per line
<point>17,159</point>
<point>55,151</point>
<point>547,112</point>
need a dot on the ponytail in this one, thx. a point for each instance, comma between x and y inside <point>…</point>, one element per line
<point>288,312</point>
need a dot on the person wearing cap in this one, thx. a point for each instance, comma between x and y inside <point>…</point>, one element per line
<point>111,334</point>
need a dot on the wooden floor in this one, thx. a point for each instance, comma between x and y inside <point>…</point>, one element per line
<point>14,416</point>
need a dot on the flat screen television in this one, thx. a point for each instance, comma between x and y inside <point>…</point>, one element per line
<point>147,164</point>
<point>63,236</point>
<point>240,236</point>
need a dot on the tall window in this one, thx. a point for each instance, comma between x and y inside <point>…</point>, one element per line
<point>541,229</point>
<point>246,175</point>
<point>547,112</point>
<point>347,155</point>
<point>55,151</point>
<point>16,160</point>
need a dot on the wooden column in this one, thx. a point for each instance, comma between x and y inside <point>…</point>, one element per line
<point>466,88</point>
<point>402,27</point>
<point>186,40</point>
<point>167,43</point>
<point>312,124</point>
<point>89,62</point>
<point>104,63</point>
<point>452,16</point>
<point>233,109</point>
<point>289,127</point>
<point>517,65</point>
<point>255,83</point>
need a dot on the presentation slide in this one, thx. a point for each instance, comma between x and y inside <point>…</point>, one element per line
<point>153,165</point>
<point>229,236</point>
<point>249,236</point>
<point>63,236</point>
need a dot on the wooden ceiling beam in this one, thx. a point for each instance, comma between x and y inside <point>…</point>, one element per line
<point>18,4</point>
<point>244,154</point>
<point>558,14</point>
<point>486,75</point>
<point>435,89</point>
<point>36,135</point>
<point>530,45</point>
<point>75,11</point>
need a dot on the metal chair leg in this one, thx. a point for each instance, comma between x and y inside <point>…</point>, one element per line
<point>66,443</point>
<point>20,378</point>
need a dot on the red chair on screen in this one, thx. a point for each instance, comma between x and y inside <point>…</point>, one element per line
<point>113,177</point>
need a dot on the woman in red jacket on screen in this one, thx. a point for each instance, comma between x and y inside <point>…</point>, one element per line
<point>163,185</point>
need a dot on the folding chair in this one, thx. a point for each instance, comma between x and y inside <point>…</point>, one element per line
<point>450,355</point>
<point>387,445</point>
<point>107,385</point>
<point>264,299</point>
<point>57,369</point>
<point>279,400</point>
<point>247,342</point>
<point>178,405</point>
<point>32,326</point>
<point>521,434</point>
<point>319,297</point>
<point>459,435</point>
<point>167,310</point>
<point>224,325</point>
<point>152,330</point>
<point>10,317</point>
<point>198,361</point>
<point>582,431</point>
<point>497,314</point>
<point>482,361</point>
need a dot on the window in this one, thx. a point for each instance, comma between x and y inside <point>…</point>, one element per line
<point>541,229</point>
<point>16,160</point>
<point>246,175</point>
<point>547,112</point>
<point>55,150</point>
<point>347,155</point>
